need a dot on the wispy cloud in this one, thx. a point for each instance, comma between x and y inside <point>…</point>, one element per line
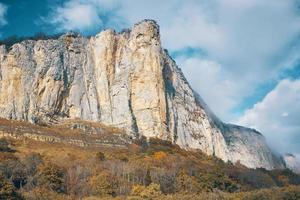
<point>210,82</point>
<point>84,16</point>
<point>75,15</point>
<point>3,10</point>
<point>277,116</point>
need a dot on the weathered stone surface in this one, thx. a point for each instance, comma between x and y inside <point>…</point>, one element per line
<point>120,79</point>
<point>73,132</point>
<point>292,162</point>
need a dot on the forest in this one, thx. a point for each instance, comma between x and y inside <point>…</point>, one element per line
<point>153,169</point>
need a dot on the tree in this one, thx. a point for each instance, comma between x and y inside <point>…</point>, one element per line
<point>148,192</point>
<point>76,181</point>
<point>32,161</point>
<point>186,183</point>
<point>103,184</point>
<point>19,175</point>
<point>160,155</point>
<point>147,179</point>
<point>165,178</point>
<point>4,145</point>
<point>52,177</point>
<point>100,156</point>
<point>7,190</point>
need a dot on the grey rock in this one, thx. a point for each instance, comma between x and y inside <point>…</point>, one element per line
<point>292,162</point>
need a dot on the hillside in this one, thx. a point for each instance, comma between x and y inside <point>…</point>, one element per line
<point>54,169</point>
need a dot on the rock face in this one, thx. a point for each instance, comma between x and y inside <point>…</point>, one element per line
<point>292,163</point>
<point>125,80</point>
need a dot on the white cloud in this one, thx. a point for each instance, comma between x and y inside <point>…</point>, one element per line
<point>3,10</point>
<point>75,15</point>
<point>81,15</point>
<point>277,116</point>
<point>211,82</point>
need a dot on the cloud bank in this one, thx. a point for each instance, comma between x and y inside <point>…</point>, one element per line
<point>278,116</point>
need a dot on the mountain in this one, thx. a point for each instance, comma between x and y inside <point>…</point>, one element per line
<point>124,80</point>
<point>292,163</point>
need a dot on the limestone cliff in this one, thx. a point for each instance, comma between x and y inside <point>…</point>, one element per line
<point>292,162</point>
<point>122,79</point>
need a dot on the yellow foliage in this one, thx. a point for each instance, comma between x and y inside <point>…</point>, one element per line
<point>284,180</point>
<point>141,192</point>
<point>103,184</point>
<point>160,155</point>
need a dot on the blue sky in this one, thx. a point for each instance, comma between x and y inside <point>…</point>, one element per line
<point>241,56</point>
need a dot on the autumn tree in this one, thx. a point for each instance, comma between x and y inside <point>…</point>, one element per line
<point>103,184</point>
<point>165,178</point>
<point>76,181</point>
<point>145,192</point>
<point>100,156</point>
<point>19,175</point>
<point>7,190</point>
<point>160,155</point>
<point>52,177</point>
<point>4,145</point>
<point>31,163</point>
<point>186,183</point>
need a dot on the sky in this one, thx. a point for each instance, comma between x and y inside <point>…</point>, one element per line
<point>241,56</point>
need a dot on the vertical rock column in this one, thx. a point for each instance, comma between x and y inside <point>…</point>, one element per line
<point>147,89</point>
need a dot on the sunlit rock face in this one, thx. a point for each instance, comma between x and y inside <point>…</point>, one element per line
<point>125,80</point>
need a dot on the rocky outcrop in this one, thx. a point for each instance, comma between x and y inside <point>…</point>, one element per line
<point>292,162</point>
<point>124,80</point>
<point>72,132</point>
